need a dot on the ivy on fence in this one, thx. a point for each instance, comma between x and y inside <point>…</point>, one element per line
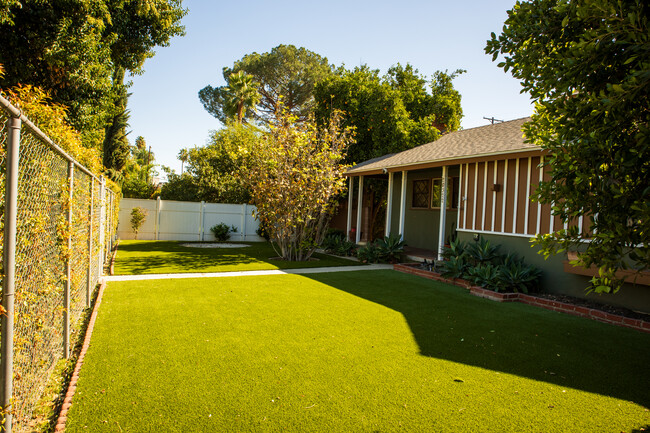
<point>43,252</point>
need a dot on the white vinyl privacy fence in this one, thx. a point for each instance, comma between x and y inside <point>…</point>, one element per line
<point>170,220</point>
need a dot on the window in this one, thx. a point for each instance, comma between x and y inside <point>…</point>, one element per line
<point>420,194</point>
<point>452,192</point>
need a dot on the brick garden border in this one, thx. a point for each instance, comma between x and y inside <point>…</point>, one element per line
<point>67,402</point>
<point>562,307</point>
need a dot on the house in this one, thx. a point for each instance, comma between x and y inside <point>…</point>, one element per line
<point>487,175</point>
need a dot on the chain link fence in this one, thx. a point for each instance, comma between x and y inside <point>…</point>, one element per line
<point>63,228</point>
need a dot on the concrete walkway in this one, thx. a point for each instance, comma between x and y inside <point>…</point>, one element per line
<point>248,273</point>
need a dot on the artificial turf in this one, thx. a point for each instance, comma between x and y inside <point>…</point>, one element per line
<point>351,352</point>
<point>167,257</point>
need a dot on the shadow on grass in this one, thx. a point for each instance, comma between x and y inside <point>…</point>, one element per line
<point>448,323</point>
<point>147,257</point>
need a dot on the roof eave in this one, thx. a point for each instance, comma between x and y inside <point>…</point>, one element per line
<point>439,162</point>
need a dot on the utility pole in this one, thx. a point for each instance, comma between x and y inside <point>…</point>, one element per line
<point>493,120</point>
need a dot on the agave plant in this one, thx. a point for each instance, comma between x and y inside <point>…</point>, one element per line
<point>487,276</point>
<point>456,248</point>
<point>519,277</point>
<point>455,267</point>
<point>390,248</point>
<point>482,252</point>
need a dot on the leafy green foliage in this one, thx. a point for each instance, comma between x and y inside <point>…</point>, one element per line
<point>593,122</point>
<point>222,231</point>
<point>518,277</point>
<point>139,171</point>
<point>482,252</point>
<point>391,113</point>
<point>390,248</point>
<point>294,173</point>
<point>487,276</point>
<point>480,263</point>
<point>455,267</point>
<point>78,52</point>
<point>370,253</point>
<point>284,77</point>
<point>456,248</point>
<point>138,217</point>
<point>214,171</point>
<point>335,243</point>
<point>235,100</point>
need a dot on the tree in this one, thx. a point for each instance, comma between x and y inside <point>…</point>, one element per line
<point>138,217</point>
<point>78,51</point>
<point>138,172</point>
<point>294,173</point>
<point>242,93</point>
<point>286,74</point>
<point>58,46</point>
<point>213,171</point>
<point>586,66</point>
<point>390,114</point>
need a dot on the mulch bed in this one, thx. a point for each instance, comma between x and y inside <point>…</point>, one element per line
<point>611,309</point>
<point>567,304</point>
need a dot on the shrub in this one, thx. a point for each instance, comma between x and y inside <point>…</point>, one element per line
<point>369,253</point>
<point>482,252</point>
<point>390,248</point>
<point>481,264</point>
<point>519,277</point>
<point>455,267</point>
<point>138,217</point>
<point>487,276</point>
<point>456,248</point>
<point>222,231</point>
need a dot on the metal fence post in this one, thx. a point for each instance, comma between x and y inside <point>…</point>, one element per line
<point>90,243</point>
<point>68,267</point>
<point>201,220</point>
<point>157,221</point>
<point>242,229</point>
<point>9,264</point>
<point>102,231</point>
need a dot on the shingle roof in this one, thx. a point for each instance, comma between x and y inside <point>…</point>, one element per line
<point>505,137</point>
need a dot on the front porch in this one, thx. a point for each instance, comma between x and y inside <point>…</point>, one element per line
<point>421,208</point>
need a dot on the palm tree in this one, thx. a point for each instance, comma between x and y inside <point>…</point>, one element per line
<point>242,93</point>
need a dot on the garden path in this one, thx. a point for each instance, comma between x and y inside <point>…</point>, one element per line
<point>374,267</point>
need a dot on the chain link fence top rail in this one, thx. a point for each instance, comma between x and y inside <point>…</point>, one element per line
<point>48,237</point>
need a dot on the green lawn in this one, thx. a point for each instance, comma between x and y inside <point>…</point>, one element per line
<point>351,352</point>
<point>166,257</point>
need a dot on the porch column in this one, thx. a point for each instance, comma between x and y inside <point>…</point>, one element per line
<point>443,212</point>
<point>359,210</point>
<point>389,205</point>
<point>350,202</point>
<point>402,206</point>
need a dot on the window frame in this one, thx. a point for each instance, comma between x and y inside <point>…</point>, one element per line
<point>451,192</point>
<point>428,192</point>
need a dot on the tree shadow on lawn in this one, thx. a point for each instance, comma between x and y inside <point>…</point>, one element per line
<point>149,257</point>
<point>449,323</point>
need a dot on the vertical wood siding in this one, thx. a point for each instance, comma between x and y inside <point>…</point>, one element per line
<point>507,208</point>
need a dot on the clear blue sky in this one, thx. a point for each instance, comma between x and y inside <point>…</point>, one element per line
<point>430,35</point>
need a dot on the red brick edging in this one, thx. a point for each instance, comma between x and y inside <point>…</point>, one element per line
<point>67,402</point>
<point>562,307</point>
